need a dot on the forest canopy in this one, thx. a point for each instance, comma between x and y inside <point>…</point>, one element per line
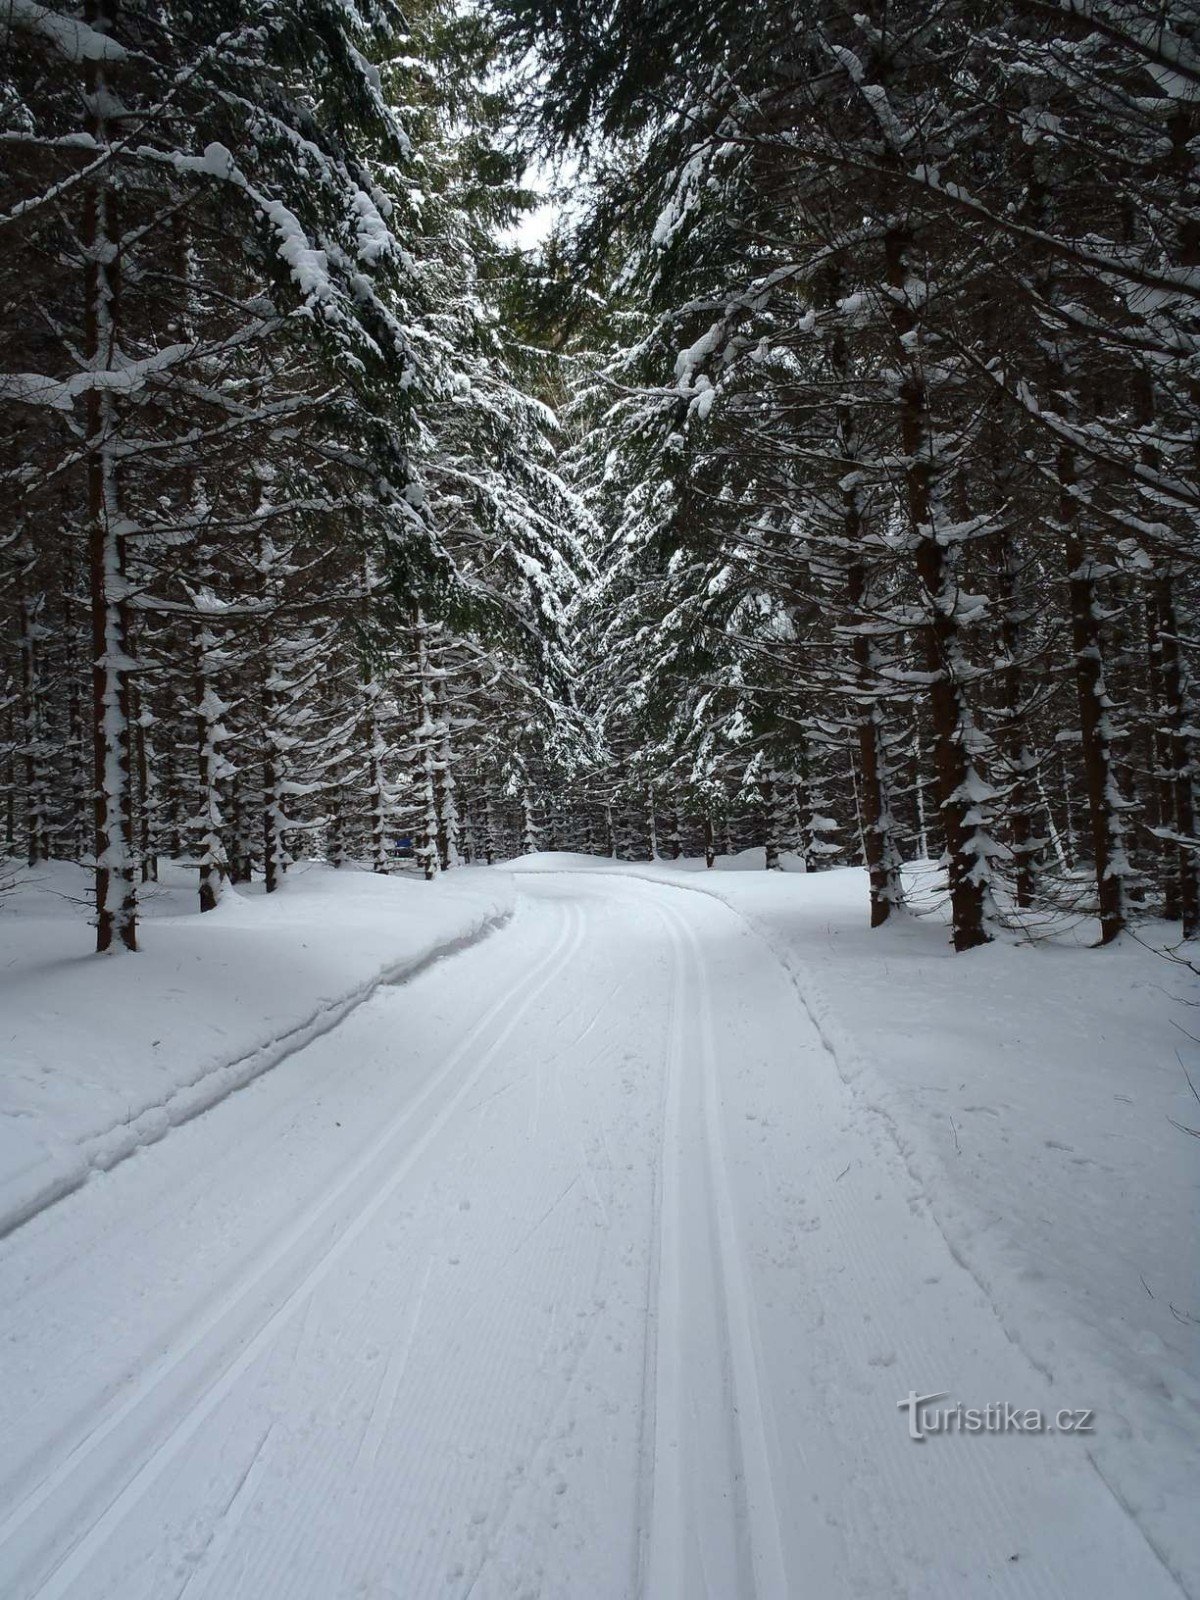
<point>826,480</point>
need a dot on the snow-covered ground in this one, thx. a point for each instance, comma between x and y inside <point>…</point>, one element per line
<point>101,1056</point>
<point>595,1260</point>
<point>1038,1094</point>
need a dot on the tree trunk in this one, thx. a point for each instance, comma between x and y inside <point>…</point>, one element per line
<point>875,816</point>
<point>376,784</point>
<point>1183,768</point>
<point>37,834</point>
<point>1104,801</point>
<point>961,792</point>
<point>444,788</point>
<point>674,843</point>
<point>529,838</point>
<point>76,747</point>
<point>147,794</point>
<point>1022,766</point>
<point>209,734</point>
<point>1161,764</point>
<point>115,883</point>
<point>240,852</point>
<point>878,831</point>
<point>766,789</point>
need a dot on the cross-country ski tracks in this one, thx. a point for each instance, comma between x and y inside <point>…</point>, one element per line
<point>838,1294</point>
<point>111,1468</point>
<point>615,1303</point>
<point>712,1523</point>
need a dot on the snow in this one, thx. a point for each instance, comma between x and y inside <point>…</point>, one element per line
<point>100,1056</point>
<point>73,40</point>
<point>598,1259</point>
<point>128,377</point>
<point>375,239</point>
<point>1030,1092</point>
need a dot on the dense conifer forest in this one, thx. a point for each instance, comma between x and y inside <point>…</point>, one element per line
<point>825,481</point>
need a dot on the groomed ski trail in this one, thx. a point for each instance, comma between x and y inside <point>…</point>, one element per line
<point>306,1255</point>
<point>570,1271</point>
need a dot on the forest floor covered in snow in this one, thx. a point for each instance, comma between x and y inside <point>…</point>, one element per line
<point>99,1055</point>
<point>596,1260</point>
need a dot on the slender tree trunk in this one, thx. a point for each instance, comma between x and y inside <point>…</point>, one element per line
<point>1104,801</point>
<point>673,842</point>
<point>209,768</point>
<point>376,782</point>
<point>76,747</point>
<point>918,760</point>
<point>10,784</point>
<point>37,832</point>
<point>1161,765</point>
<point>858,818</point>
<point>426,732</point>
<point>1095,707</point>
<point>447,806</point>
<point>466,836</point>
<point>529,833</point>
<point>710,842</point>
<point>1022,765</point>
<point>115,882</point>
<point>1182,757</point>
<point>273,814</point>
<point>335,827</point>
<point>147,788</point>
<point>961,793</point>
<point>876,827</point>
<point>172,802</point>
<point>240,852</point>
<point>766,789</point>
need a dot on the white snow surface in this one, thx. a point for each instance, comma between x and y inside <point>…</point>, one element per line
<point>102,1055</point>
<point>594,1260</point>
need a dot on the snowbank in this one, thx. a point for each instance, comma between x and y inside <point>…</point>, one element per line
<point>1038,1095</point>
<point>102,1054</point>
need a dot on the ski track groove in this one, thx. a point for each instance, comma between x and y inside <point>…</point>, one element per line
<point>750,1397</point>
<point>989,1489</point>
<point>660,1401</point>
<point>56,1583</point>
<point>757,1545</point>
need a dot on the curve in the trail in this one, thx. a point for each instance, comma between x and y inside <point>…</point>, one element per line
<point>387,1155</point>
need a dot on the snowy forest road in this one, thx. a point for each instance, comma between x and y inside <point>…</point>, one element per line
<point>571,1268</point>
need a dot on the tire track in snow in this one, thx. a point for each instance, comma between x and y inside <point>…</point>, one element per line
<point>129,1415</point>
<point>701,1351</point>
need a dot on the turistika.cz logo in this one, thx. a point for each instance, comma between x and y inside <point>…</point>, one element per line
<point>926,1417</point>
